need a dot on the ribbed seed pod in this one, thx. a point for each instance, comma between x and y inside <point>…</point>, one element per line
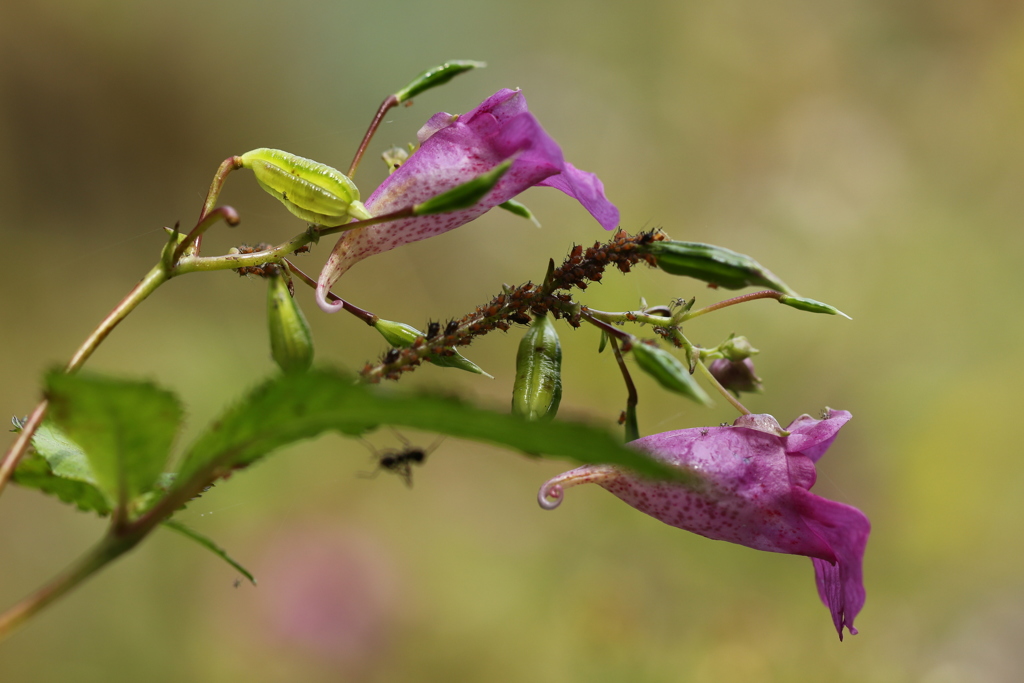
<point>314,192</point>
<point>538,387</point>
<point>291,343</point>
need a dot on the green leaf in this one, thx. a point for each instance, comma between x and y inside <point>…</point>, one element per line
<point>34,472</point>
<point>289,408</point>
<point>124,427</point>
<point>65,458</point>
<point>439,75</point>
<point>211,546</point>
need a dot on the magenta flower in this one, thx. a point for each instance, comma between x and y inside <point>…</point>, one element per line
<point>454,150</point>
<point>755,493</point>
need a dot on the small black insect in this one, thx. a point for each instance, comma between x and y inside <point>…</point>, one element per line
<point>400,461</point>
<point>451,327</point>
<point>433,328</point>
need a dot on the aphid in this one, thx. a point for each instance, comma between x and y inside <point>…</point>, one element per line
<point>704,431</point>
<point>400,462</point>
<point>451,327</point>
<point>433,328</point>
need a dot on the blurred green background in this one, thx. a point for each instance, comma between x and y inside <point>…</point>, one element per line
<point>871,153</point>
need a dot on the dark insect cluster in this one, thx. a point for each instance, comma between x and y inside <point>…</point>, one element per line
<point>518,305</point>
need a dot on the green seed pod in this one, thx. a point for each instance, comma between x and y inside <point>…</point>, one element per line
<point>802,304</point>
<point>538,387</point>
<point>314,192</point>
<point>670,373</point>
<point>715,265</point>
<point>291,343</point>
<point>401,335</point>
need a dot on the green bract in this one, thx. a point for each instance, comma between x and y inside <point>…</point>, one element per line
<point>538,387</point>
<point>315,192</point>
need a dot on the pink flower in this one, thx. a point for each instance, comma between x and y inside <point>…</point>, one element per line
<point>756,493</point>
<point>454,150</point>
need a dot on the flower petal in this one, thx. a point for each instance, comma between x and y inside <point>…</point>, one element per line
<point>454,150</point>
<point>812,437</point>
<point>845,529</point>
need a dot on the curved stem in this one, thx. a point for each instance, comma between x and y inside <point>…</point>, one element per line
<point>230,217</point>
<point>365,316</point>
<point>226,167</point>
<point>722,390</point>
<point>766,294</point>
<point>153,279</point>
<point>385,106</point>
<point>632,398</point>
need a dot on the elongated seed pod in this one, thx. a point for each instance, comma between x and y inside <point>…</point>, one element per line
<point>291,343</point>
<point>538,387</point>
<point>715,265</point>
<point>670,373</point>
<point>314,192</point>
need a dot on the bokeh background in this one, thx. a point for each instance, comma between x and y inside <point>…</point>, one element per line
<point>871,153</point>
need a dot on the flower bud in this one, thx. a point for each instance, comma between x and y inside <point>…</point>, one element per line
<point>670,373</point>
<point>400,336</point>
<point>538,387</point>
<point>315,192</point>
<point>737,349</point>
<point>736,376</point>
<point>717,266</point>
<point>394,157</point>
<point>291,343</point>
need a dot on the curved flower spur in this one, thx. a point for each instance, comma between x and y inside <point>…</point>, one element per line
<point>454,150</point>
<point>755,492</point>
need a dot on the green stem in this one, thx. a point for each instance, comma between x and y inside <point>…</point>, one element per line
<point>226,166</point>
<point>722,390</point>
<point>108,549</point>
<point>766,294</point>
<point>258,258</point>
<point>632,398</point>
<point>153,279</point>
<point>630,317</point>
